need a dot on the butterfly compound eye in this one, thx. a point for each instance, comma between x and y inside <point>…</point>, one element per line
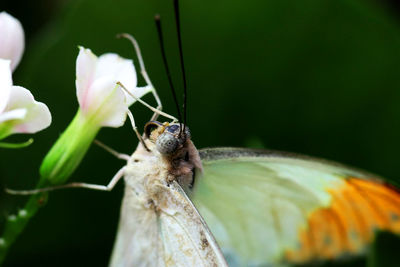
<point>167,143</point>
<point>175,129</point>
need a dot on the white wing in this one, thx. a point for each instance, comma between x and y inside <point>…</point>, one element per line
<point>138,241</point>
<point>186,238</point>
<point>168,233</point>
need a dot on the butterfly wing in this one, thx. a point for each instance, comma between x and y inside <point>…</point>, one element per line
<point>171,234</point>
<point>187,241</point>
<point>138,242</point>
<point>269,207</point>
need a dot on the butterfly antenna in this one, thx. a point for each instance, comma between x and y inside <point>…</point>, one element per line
<point>178,29</point>
<point>157,19</point>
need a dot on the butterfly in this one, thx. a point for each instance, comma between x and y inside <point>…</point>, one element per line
<point>243,207</point>
<point>260,207</point>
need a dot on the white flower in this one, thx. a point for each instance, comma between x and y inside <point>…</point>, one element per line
<point>11,39</point>
<point>102,103</point>
<point>19,112</point>
<point>97,90</point>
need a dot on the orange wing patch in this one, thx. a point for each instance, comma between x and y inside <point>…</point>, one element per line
<point>358,209</point>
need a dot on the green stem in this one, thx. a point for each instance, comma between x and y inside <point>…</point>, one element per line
<point>15,224</point>
<point>16,145</point>
<point>58,165</point>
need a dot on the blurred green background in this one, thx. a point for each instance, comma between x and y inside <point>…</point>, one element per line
<point>313,77</point>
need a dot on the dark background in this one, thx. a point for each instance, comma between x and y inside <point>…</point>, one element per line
<point>313,77</point>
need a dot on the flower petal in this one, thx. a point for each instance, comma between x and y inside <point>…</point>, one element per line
<point>12,40</point>
<point>5,83</point>
<point>38,115</point>
<point>85,71</point>
<point>106,102</point>
<point>15,114</point>
<point>120,68</point>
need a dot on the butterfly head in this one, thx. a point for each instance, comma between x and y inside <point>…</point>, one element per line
<point>173,142</point>
<point>168,137</point>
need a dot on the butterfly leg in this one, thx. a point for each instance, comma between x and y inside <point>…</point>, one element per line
<point>147,105</point>
<point>112,151</point>
<point>136,130</point>
<point>108,187</point>
<point>144,72</point>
